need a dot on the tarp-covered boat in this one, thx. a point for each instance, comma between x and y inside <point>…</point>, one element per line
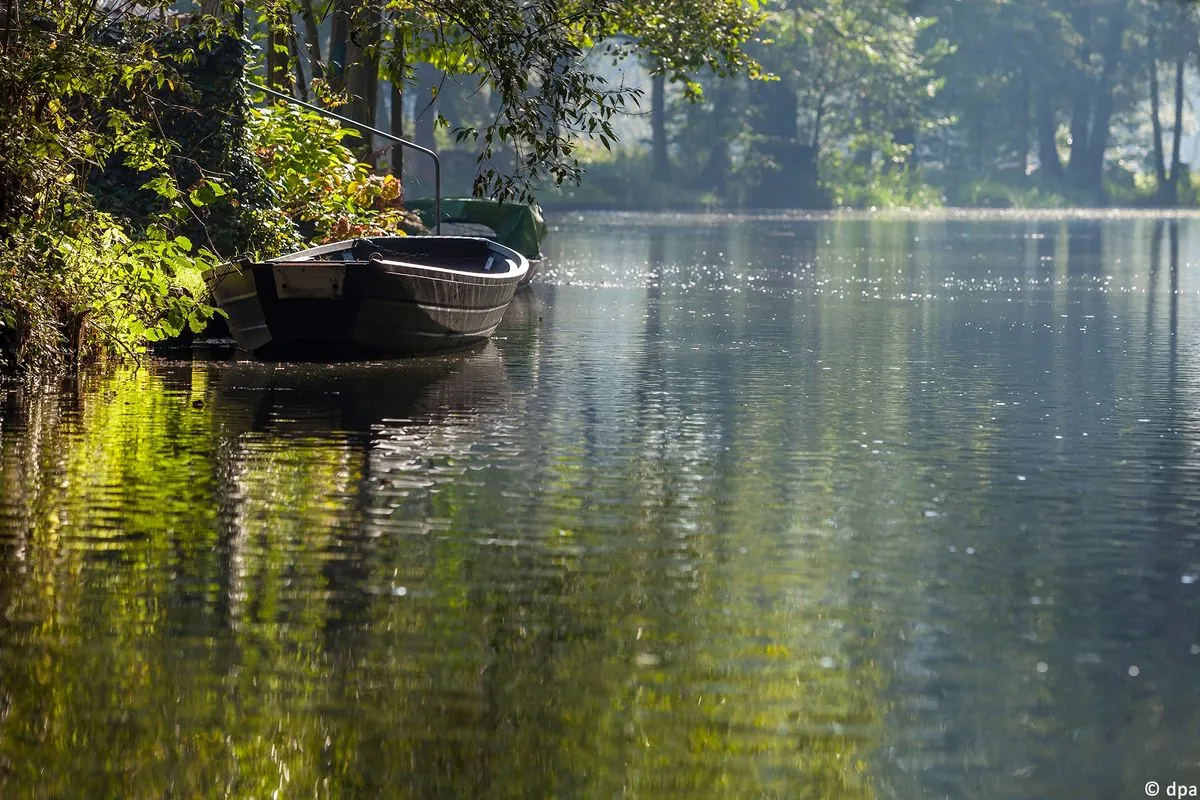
<point>516,225</point>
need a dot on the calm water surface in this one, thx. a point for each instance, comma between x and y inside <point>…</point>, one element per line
<point>729,508</point>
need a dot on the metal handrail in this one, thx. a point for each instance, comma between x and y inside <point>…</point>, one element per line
<point>437,164</point>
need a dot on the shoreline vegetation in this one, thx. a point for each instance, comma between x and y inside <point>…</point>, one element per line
<point>136,158</point>
<point>634,194</point>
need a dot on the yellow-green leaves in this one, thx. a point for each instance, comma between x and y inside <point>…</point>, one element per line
<point>319,181</point>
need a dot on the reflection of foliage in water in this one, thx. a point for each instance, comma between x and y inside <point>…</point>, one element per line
<point>195,610</point>
<point>734,564</point>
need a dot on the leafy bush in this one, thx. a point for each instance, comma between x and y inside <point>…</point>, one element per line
<point>76,281</point>
<point>78,293</point>
<point>318,181</point>
<point>854,185</point>
<point>993,193</point>
<point>621,180</point>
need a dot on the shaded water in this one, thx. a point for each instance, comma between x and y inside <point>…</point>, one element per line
<point>729,508</point>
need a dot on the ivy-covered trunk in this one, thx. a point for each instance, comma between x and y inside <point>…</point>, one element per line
<point>206,117</point>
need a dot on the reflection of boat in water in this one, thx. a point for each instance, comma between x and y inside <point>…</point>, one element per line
<point>315,460</point>
<point>355,397</point>
<point>393,431</point>
<point>526,310</point>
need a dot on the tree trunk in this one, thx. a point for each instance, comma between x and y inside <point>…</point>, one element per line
<point>789,176</point>
<point>450,103</point>
<point>660,158</point>
<point>864,156</point>
<point>903,137</point>
<point>11,19</point>
<point>1047,139</point>
<point>425,115</point>
<point>714,176</point>
<point>312,40</point>
<point>1081,113</point>
<point>277,50</point>
<point>1160,167</point>
<point>338,34</point>
<point>396,72</point>
<point>297,63</point>
<point>1097,145</point>
<point>1026,90</point>
<point>362,61</point>
<point>1081,105</point>
<point>1176,156</point>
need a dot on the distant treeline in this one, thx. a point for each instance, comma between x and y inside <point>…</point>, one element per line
<point>977,103</point>
<point>988,102</point>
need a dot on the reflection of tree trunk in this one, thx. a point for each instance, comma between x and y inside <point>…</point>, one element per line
<point>1155,265</point>
<point>661,163</point>
<point>1085,252</point>
<point>1173,275</point>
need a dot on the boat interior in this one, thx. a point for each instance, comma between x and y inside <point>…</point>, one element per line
<point>464,254</point>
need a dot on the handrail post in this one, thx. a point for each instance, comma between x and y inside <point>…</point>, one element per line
<point>437,163</point>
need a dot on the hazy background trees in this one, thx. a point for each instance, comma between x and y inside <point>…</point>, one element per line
<point>861,103</point>
<point>846,102</point>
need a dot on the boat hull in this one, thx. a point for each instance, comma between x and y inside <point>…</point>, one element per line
<point>416,297</point>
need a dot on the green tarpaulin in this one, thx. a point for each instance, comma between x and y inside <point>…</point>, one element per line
<point>518,226</point>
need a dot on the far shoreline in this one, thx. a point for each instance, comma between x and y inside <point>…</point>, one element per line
<point>949,213</point>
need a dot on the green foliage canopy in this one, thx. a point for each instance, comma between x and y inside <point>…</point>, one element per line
<point>79,82</point>
<point>532,59</point>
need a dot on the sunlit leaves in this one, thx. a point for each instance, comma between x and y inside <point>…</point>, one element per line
<point>530,58</point>
<point>681,37</point>
<point>319,181</point>
<point>79,91</point>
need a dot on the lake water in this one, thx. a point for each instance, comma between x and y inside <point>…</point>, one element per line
<point>730,507</point>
